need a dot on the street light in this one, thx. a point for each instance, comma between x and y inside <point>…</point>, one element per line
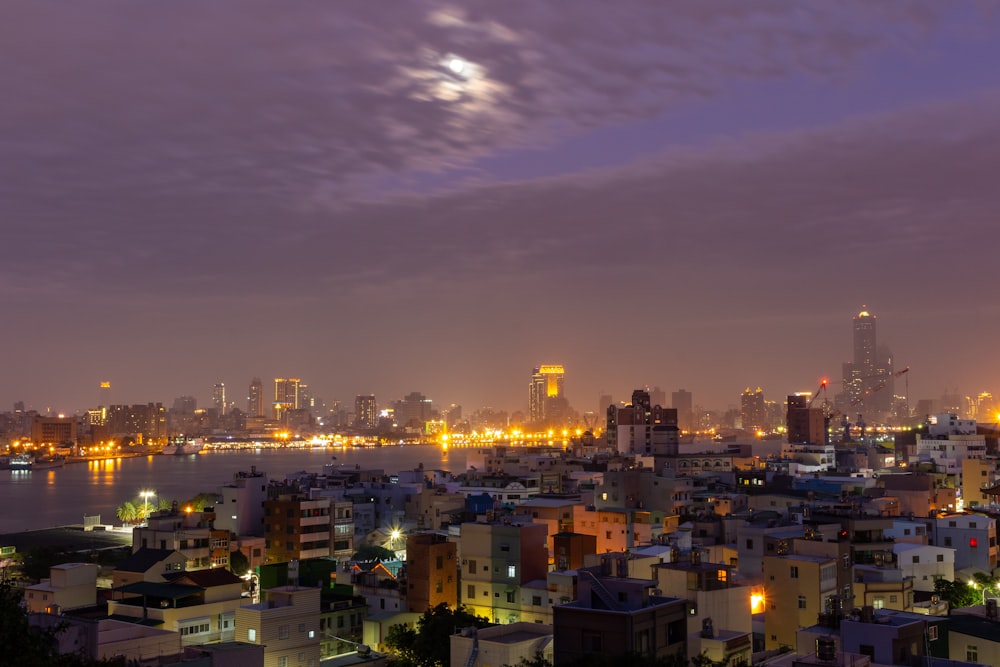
<point>146,495</point>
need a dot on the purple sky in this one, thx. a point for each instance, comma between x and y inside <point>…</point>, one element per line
<point>682,194</point>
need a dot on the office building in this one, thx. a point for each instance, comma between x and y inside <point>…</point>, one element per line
<point>753,410</point>
<point>286,396</point>
<point>683,403</point>
<point>255,399</point>
<point>805,424</point>
<point>868,379</point>
<point>546,401</point>
<point>365,411</point>
<point>642,428</point>
<point>219,398</point>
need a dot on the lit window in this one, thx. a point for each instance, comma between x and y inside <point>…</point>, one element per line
<point>251,635</point>
<point>512,571</point>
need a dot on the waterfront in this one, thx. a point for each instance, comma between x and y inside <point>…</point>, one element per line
<point>45,498</point>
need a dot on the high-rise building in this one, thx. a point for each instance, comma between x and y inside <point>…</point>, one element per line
<point>641,428</point>
<point>805,424</point>
<point>414,410</point>
<point>683,403</point>
<point>286,395</point>
<point>753,410</point>
<point>868,379</point>
<point>545,393</point>
<point>365,411</point>
<point>255,401</point>
<point>219,398</point>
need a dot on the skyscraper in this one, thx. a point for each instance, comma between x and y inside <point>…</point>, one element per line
<point>286,395</point>
<point>255,400</point>
<point>682,402</point>
<point>219,398</point>
<point>868,379</point>
<point>545,393</point>
<point>365,411</point>
<point>753,410</point>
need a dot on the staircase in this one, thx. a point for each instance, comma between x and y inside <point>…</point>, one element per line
<point>602,592</point>
<point>475,651</point>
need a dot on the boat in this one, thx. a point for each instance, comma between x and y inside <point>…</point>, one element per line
<point>48,462</point>
<point>28,462</point>
<point>182,446</point>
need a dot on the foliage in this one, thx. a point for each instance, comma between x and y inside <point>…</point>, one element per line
<point>201,502</point>
<point>127,512</point>
<point>33,647</point>
<point>429,645</point>
<point>372,551</point>
<point>36,561</point>
<point>957,594</point>
<point>239,564</point>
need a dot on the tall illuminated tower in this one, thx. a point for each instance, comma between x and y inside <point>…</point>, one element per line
<point>286,395</point>
<point>255,400</point>
<point>546,389</point>
<point>365,411</point>
<point>219,398</point>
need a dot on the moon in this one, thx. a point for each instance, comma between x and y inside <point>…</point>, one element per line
<point>456,65</point>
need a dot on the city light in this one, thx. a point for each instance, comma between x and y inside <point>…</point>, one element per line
<point>146,494</point>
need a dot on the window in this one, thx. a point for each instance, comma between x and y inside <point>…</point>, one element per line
<point>283,632</point>
<point>802,602</point>
<point>251,635</point>
<point>749,544</point>
<point>932,633</point>
<point>940,558</point>
<point>971,653</point>
<point>472,567</point>
<point>878,603</point>
<point>536,600</point>
<point>794,572</point>
<point>283,661</point>
<point>440,562</point>
<point>947,541</point>
<point>722,575</point>
<point>916,559</point>
<point>510,597</point>
<point>512,571</point>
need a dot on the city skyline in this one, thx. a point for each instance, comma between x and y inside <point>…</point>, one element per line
<point>441,197</point>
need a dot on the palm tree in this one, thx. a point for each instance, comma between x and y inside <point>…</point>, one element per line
<point>127,512</point>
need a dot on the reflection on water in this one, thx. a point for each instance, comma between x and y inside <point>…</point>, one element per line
<point>64,495</point>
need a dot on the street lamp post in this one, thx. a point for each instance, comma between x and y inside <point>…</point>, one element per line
<point>145,495</point>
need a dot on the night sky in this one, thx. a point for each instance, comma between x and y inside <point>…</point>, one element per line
<point>437,196</point>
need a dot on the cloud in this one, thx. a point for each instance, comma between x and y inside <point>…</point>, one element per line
<point>309,101</point>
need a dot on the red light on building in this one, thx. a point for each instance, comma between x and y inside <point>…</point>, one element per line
<point>973,542</point>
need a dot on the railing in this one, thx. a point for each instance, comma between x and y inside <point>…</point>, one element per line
<point>602,592</point>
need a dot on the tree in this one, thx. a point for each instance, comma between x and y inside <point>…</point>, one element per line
<point>239,564</point>
<point>127,512</point>
<point>957,594</point>
<point>429,645</point>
